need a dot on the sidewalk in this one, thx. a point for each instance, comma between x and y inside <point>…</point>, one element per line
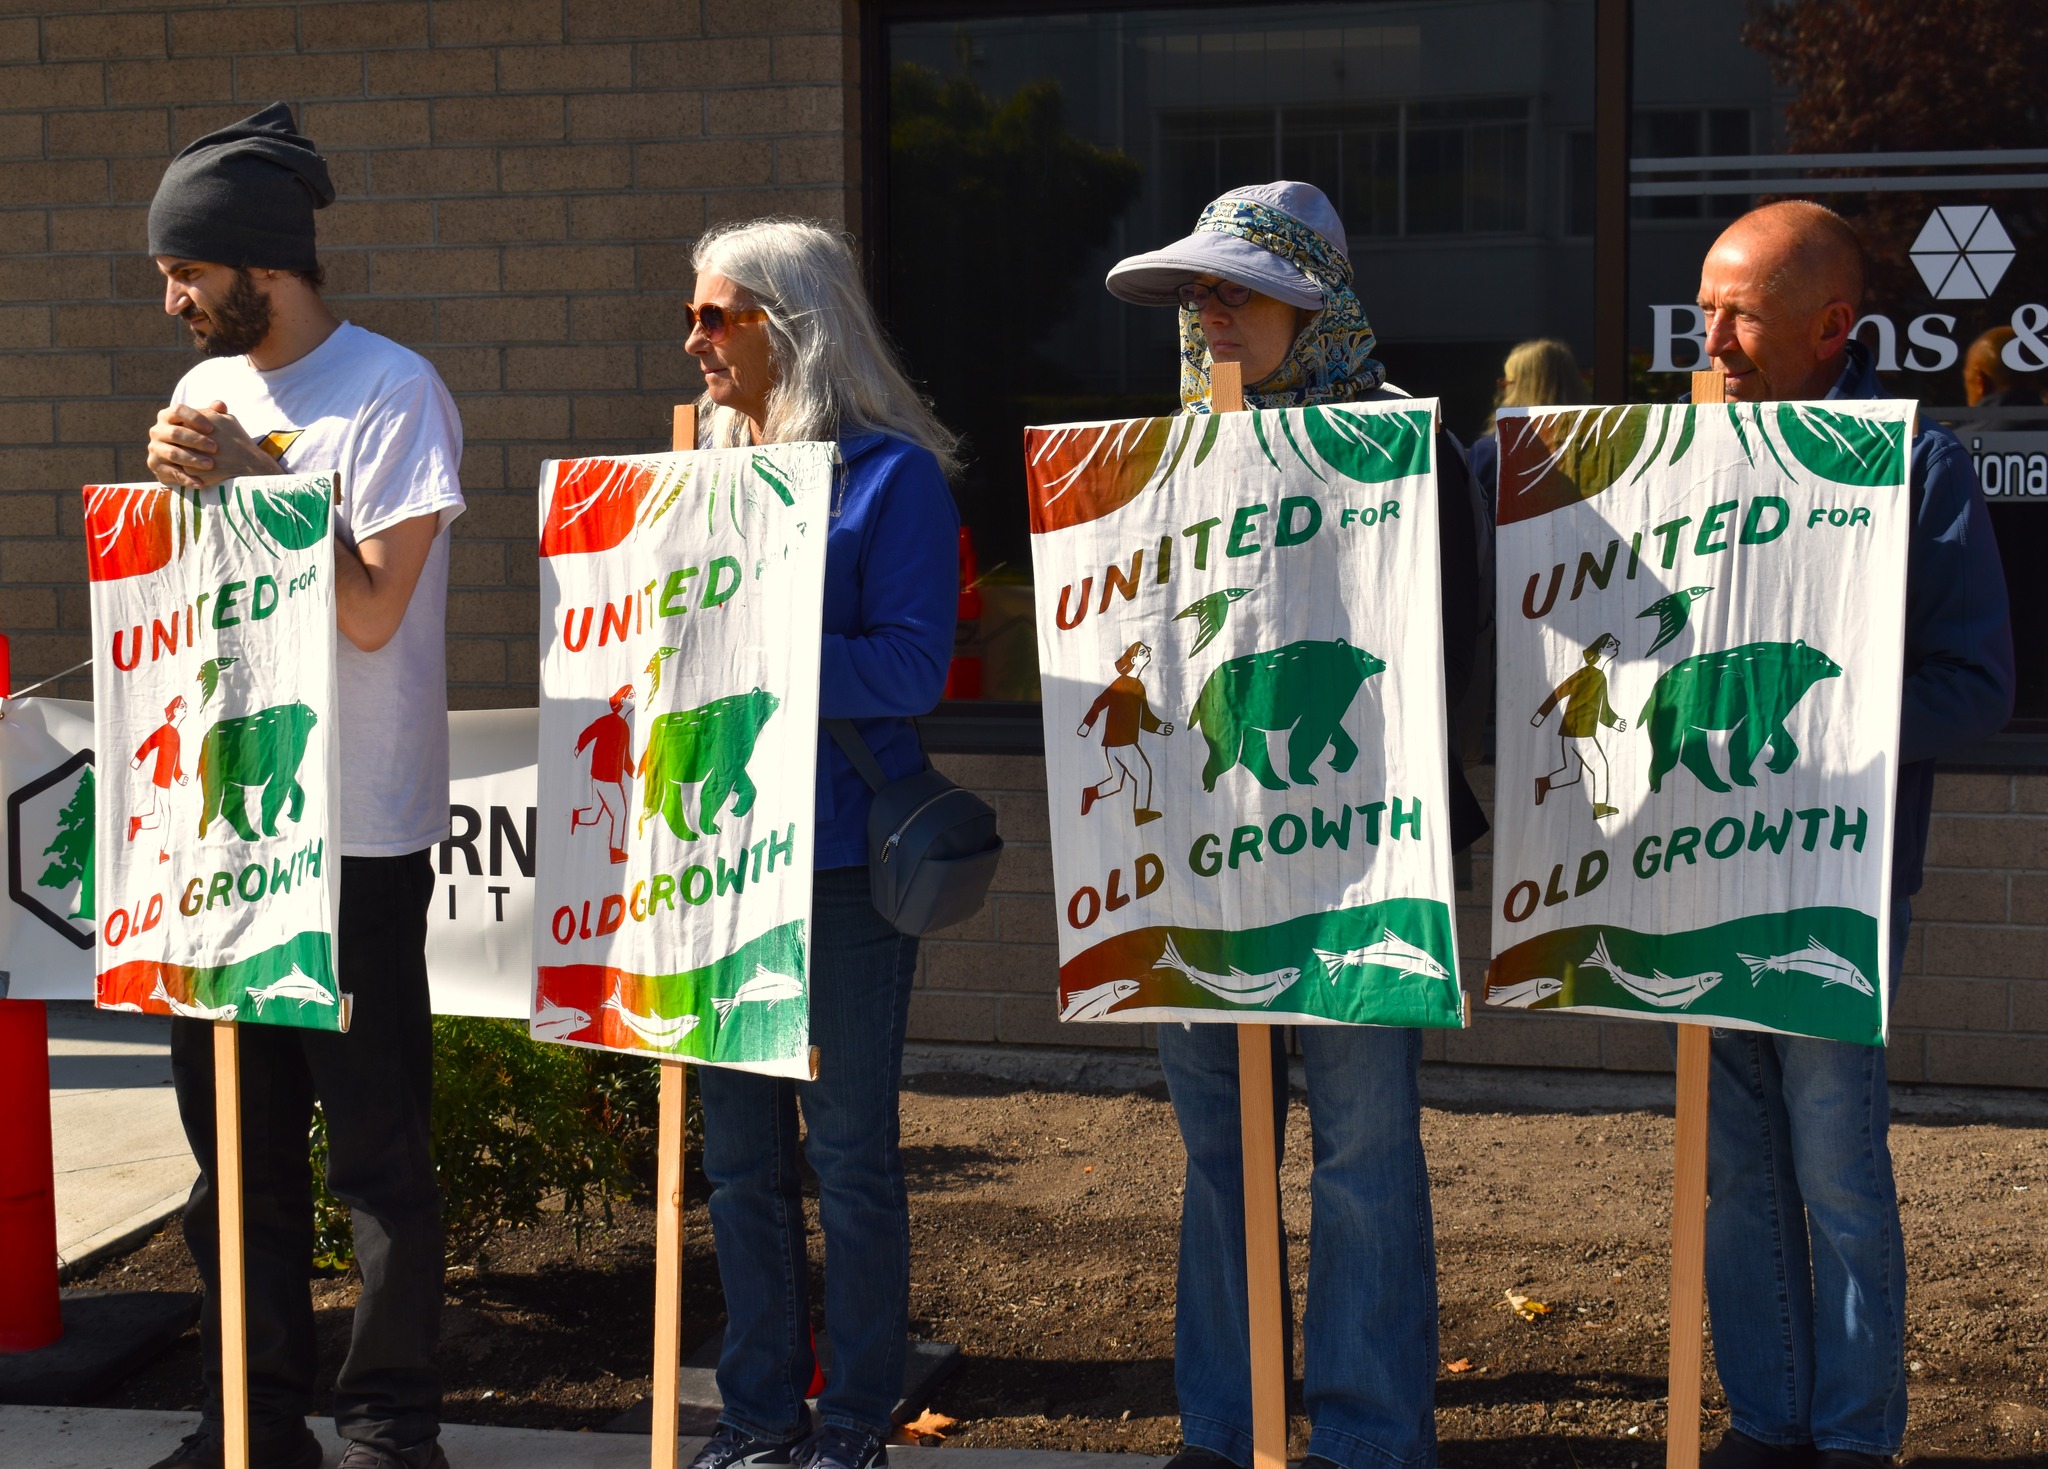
<point>118,1438</point>
<point>121,1159</point>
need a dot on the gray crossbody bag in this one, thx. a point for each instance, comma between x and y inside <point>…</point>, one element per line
<point>932,846</point>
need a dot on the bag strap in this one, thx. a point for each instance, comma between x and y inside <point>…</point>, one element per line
<point>857,752</point>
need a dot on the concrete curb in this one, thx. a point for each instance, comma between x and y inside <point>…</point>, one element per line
<point>1501,1088</point>
<point>119,1239</point>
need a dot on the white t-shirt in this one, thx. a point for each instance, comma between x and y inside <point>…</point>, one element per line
<point>376,413</point>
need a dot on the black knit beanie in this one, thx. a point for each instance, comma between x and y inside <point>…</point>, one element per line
<point>243,196</point>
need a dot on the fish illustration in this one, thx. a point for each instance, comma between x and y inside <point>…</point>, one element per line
<point>1391,952</point>
<point>1816,959</point>
<point>1671,613</point>
<point>209,677</point>
<point>298,985</point>
<point>190,1012</point>
<point>1237,987</point>
<point>1665,991</point>
<point>1209,613</point>
<point>661,656</point>
<point>661,1033</point>
<point>123,1005</point>
<point>765,988</point>
<point>1523,993</point>
<point>558,1022</point>
<point>1098,1000</point>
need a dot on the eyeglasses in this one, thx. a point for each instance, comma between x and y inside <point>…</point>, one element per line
<point>1195,297</point>
<point>716,320</point>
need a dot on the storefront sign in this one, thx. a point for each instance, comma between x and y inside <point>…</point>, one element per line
<point>1700,615</point>
<point>1238,627</point>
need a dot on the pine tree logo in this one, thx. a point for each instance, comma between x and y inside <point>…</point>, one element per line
<point>72,848</point>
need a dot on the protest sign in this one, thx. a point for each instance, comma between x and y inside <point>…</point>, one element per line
<point>48,920</point>
<point>216,886</point>
<point>480,923</point>
<point>673,871</point>
<point>1701,620</point>
<point>1246,751</point>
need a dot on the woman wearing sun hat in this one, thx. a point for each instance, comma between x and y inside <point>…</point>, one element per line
<point>1265,280</point>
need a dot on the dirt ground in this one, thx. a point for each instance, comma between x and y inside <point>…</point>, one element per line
<point>1044,1234</point>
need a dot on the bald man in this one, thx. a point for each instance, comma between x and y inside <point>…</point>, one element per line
<point>1806,1274</point>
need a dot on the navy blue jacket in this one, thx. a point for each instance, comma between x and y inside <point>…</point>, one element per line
<point>892,594</point>
<point>1959,665</point>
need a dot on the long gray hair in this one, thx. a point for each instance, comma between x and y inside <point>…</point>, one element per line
<point>835,371</point>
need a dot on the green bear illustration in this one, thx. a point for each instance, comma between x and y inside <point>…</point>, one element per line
<point>1747,691</point>
<point>261,749</point>
<point>711,744</point>
<point>1305,687</point>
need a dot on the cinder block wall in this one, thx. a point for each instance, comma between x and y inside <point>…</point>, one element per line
<point>520,183</point>
<point>1972,1003</point>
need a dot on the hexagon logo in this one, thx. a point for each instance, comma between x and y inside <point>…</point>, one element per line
<point>1962,252</point>
<point>54,813</point>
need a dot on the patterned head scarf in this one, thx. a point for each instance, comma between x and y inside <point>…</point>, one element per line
<point>1331,360</point>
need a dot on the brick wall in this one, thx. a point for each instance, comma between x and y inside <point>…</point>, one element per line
<point>520,183</point>
<point>1972,1006</point>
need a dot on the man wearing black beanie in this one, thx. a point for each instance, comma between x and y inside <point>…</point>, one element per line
<point>287,386</point>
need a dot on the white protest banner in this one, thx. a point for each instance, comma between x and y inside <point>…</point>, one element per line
<point>1701,625</point>
<point>673,889</point>
<point>480,925</point>
<point>47,923</point>
<point>215,863</point>
<point>1242,666</point>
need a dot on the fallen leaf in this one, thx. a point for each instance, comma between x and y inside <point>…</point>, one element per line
<point>1089,1169</point>
<point>1463,1364</point>
<point>1523,1306</point>
<point>928,1425</point>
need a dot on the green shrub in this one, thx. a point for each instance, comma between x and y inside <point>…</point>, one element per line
<point>516,1123</point>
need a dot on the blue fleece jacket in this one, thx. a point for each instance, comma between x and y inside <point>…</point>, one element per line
<point>1959,663</point>
<point>892,593</point>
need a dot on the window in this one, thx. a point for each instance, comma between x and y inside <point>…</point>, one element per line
<point>1692,132</point>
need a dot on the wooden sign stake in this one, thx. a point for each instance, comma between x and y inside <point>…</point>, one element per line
<point>668,1191</point>
<point>228,1217</point>
<point>1689,1197</point>
<point>1263,1278</point>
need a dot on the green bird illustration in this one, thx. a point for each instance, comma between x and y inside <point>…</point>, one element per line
<point>661,655</point>
<point>1671,613</point>
<point>209,677</point>
<point>1209,614</point>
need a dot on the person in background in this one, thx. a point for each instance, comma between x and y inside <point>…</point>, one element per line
<point>791,350</point>
<point>286,386</point>
<point>1990,382</point>
<point>1538,374</point>
<point>1806,1269</point>
<point>1265,280</point>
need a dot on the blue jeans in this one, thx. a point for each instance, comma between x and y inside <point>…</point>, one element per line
<point>860,1001</point>
<point>1806,1265</point>
<point>1370,1334</point>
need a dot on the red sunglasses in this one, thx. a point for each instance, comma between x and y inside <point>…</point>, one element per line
<point>716,320</point>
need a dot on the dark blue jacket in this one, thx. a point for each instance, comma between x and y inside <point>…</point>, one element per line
<point>1959,664</point>
<point>892,593</point>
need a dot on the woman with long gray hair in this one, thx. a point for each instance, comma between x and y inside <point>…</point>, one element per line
<point>791,350</point>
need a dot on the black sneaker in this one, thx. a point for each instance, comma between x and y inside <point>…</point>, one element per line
<point>1737,1450</point>
<point>833,1447</point>
<point>202,1450</point>
<point>731,1449</point>
<point>428,1455</point>
<point>1194,1458</point>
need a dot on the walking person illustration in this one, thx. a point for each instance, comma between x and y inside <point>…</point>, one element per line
<point>609,738</point>
<point>164,742</point>
<point>1125,712</point>
<point>1584,696</point>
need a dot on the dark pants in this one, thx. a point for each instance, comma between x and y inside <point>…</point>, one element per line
<point>860,1001</point>
<point>376,1086</point>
